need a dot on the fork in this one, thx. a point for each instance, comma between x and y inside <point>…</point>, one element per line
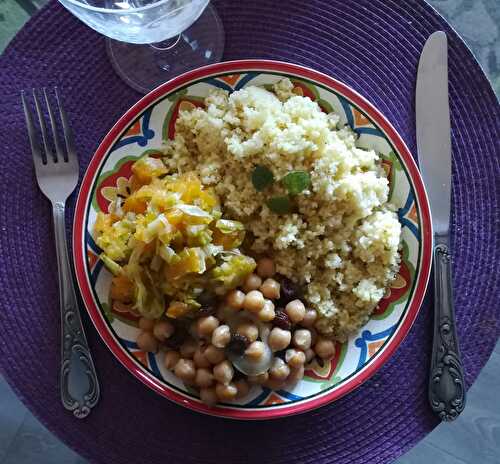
<point>57,176</point>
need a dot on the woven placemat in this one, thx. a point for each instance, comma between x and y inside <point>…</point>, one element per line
<point>373,46</point>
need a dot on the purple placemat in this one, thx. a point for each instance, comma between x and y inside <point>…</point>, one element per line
<point>373,46</point>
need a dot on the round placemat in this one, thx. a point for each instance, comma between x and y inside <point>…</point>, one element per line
<point>371,45</point>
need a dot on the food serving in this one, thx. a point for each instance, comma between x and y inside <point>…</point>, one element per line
<point>261,236</point>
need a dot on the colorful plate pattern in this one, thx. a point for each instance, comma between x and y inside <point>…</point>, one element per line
<point>143,128</point>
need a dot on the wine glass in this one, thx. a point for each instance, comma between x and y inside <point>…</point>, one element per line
<point>151,41</point>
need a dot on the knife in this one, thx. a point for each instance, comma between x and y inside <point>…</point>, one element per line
<point>446,382</point>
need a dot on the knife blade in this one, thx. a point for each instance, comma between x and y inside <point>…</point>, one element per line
<point>446,381</point>
<point>433,128</point>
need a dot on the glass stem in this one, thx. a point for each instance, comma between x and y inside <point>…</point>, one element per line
<point>164,50</point>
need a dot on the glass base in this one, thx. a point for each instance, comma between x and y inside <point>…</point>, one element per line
<point>145,67</point>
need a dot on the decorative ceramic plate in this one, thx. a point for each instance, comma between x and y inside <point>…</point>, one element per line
<point>143,128</point>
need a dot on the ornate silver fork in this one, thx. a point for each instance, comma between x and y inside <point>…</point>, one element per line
<point>57,175</point>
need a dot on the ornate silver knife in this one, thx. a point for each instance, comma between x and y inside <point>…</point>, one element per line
<point>446,383</point>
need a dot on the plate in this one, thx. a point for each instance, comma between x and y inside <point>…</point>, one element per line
<point>143,128</point>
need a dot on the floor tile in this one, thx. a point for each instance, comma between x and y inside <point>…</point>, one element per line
<point>428,453</point>
<point>12,414</point>
<point>12,17</point>
<point>34,444</point>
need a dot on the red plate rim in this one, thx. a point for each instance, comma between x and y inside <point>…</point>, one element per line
<point>244,66</point>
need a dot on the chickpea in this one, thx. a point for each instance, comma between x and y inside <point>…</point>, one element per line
<point>314,335</point>
<point>274,384</point>
<point>249,330</point>
<point>254,301</point>
<point>214,355</point>
<point>224,372</point>
<point>206,325</point>
<point>226,392</point>
<point>270,289</point>
<point>310,355</point>
<point>235,299</point>
<point>255,351</point>
<point>243,388</point>
<point>185,370</point>
<point>208,396</point>
<point>223,312</point>
<point>296,374</point>
<point>310,317</point>
<point>163,330</point>
<point>279,339</point>
<point>267,313</point>
<point>279,369</point>
<point>258,379</point>
<point>295,310</point>
<point>188,348</point>
<point>221,336</point>
<point>302,339</point>
<point>199,358</point>
<point>146,324</point>
<point>265,267</point>
<point>170,359</point>
<point>147,342</point>
<point>252,282</point>
<point>295,358</point>
<point>204,378</point>
<point>324,348</point>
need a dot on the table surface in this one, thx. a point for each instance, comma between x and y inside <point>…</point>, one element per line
<point>474,438</point>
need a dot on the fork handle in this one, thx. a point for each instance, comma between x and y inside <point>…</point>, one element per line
<point>446,383</point>
<point>78,379</point>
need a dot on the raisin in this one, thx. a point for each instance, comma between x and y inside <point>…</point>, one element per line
<point>208,302</point>
<point>288,291</point>
<point>238,344</point>
<point>205,311</point>
<point>282,320</point>
<point>207,298</point>
<point>177,339</point>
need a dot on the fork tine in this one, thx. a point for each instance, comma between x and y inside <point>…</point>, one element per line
<point>57,144</point>
<point>43,129</point>
<point>68,135</point>
<point>35,146</point>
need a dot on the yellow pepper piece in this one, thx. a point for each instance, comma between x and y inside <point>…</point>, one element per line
<point>134,204</point>
<point>177,309</point>
<point>146,168</point>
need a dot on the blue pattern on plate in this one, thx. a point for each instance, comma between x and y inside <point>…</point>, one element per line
<point>367,336</point>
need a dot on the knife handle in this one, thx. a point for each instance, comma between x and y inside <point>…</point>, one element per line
<point>446,383</point>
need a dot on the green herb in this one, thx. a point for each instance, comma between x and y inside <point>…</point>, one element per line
<point>296,181</point>
<point>262,178</point>
<point>279,205</point>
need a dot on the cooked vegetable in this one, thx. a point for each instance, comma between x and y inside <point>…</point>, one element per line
<point>169,243</point>
<point>146,168</point>
<point>232,272</point>
<point>122,289</point>
<point>229,234</point>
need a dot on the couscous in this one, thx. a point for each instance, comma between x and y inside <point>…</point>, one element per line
<point>339,237</point>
